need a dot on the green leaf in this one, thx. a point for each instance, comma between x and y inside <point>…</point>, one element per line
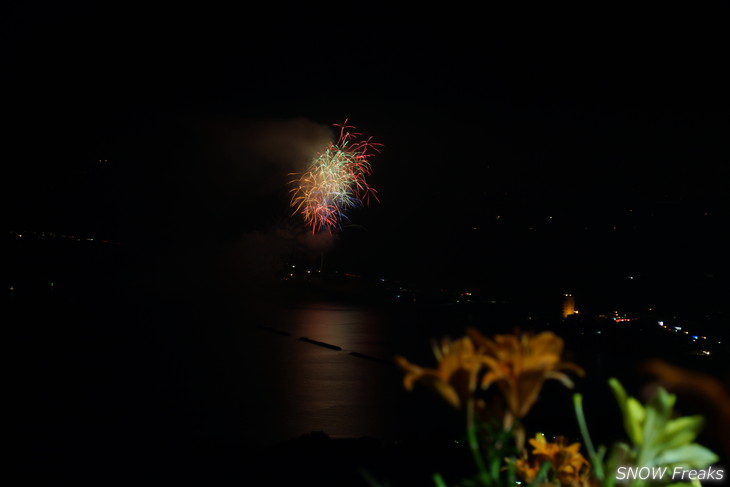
<point>666,400</point>
<point>687,456</point>
<point>652,425</point>
<point>438,480</point>
<point>633,420</point>
<point>681,431</point>
<point>631,409</point>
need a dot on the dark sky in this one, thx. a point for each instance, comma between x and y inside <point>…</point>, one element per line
<point>577,112</point>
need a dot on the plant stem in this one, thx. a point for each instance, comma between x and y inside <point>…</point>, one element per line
<point>471,434</point>
<point>595,458</point>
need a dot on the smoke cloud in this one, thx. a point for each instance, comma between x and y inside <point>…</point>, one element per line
<point>238,183</point>
<point>258,153</point>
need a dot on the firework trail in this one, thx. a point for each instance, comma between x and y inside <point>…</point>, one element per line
<point>335,181</point>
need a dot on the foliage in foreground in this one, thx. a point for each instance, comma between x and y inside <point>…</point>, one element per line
<point>513,368</point>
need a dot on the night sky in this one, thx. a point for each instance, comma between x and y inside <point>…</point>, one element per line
<point>514,139</point>
<point>529,150</point>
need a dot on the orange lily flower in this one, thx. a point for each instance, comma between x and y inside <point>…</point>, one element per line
<point>569,466</point>
<point>519,365</point>
<point>455,377</point>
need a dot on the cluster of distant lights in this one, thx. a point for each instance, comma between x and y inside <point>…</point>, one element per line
<point>291,273</point>
<point>55,235</point>
<point>549,218</point>
<point>400,292</point>
<point>76,238</point>
<point>622,318</point>
<point>677,329</point>
<point>695,338</point>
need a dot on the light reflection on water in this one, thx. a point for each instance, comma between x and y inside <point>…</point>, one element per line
<point>320,389</point>
<point>302,387</point>
<point>353,329</point>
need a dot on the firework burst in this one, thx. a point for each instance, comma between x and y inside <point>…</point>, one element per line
<point>335,181</point>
